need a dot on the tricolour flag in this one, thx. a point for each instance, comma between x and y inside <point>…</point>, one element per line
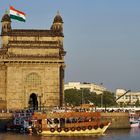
<point>17,15</point>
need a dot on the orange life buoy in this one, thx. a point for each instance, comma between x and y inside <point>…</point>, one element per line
<point>83,128</point>
<point>89,127</point>
<point>59,129</point>
<point>78,128</point>
<point>101,126</point>
<point>52,129</point>
<point>95,127</point>
<point>72,129</point>
<point>66,129</point>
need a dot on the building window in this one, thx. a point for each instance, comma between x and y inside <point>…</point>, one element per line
<point>135,97</point>
<point>127,97</point>
<point>33,79</point>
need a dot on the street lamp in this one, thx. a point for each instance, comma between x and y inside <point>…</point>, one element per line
<point>40,96</point>
<point>82,96</point>
<point>101,100</point>
<point>43,105</point>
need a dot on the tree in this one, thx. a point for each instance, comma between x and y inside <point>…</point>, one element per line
<point>72,97</point>
<point>108,99</point>
<point>137,103</point>
<point>76,97</point>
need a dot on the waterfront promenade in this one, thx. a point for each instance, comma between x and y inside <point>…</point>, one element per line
<point>119,117</point>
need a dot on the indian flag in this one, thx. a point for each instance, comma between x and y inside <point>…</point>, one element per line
<point>17,15</point>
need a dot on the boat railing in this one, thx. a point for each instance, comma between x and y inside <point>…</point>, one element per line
<point>65,115</point>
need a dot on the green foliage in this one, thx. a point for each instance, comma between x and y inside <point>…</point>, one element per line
<point>76,97</point>
<point>72,97</point>
<point>108,99</point>
<point>137,103</point>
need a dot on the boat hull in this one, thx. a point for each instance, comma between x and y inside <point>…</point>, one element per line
<point>98,131</point>
<point>135,124</point>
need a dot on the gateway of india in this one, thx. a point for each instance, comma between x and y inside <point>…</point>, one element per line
<point>31,66</point>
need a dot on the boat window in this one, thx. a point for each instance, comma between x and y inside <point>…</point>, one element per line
<point>74,120</point>
<point>56,120</point>
<point>87,119</point>
<point>68,120</point>
<point>40,121</point>
<point>92,119</point>
<point>62,122</point>
<point>80,119</point>
<point>49,121</point>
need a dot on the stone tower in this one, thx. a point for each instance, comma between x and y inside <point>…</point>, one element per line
<point>31,66</point>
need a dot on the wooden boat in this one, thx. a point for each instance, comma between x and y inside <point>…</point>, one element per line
<point>69,123</point>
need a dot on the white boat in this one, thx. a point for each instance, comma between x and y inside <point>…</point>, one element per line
<point>134,123</point>
<point>134,120</point>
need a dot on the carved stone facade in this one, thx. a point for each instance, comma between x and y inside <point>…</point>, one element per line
<point>31,66</point>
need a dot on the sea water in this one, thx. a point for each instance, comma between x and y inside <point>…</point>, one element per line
<point>119,134</point>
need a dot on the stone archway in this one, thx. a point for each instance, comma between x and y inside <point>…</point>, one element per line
<point>33,103</point>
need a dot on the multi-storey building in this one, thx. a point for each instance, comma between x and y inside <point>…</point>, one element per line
<point>130,98</point>
<point>99,89</point>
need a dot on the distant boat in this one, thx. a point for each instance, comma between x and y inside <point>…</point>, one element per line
<point>134,123</point>
<point>21,121</point>
<point>134,120</point>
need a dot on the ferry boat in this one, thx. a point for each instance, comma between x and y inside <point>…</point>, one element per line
<point>69,123</point>
<point>21,121</point>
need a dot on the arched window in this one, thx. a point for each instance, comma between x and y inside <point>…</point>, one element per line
<point>33,79</point>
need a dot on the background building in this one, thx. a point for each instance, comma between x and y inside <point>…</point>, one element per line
<point>129,98</point>
<point>99,89</point>
<point>31,66</point>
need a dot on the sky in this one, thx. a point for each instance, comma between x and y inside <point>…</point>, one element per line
<point>102,37</point>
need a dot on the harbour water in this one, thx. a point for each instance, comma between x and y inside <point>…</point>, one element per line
<point>122,134</point>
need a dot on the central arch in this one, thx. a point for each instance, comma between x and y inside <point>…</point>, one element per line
<point>33,103</point>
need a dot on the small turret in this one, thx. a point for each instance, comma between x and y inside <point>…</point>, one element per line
<point>5,29</point>
<point>6,24</point>
<point>57,23</point>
